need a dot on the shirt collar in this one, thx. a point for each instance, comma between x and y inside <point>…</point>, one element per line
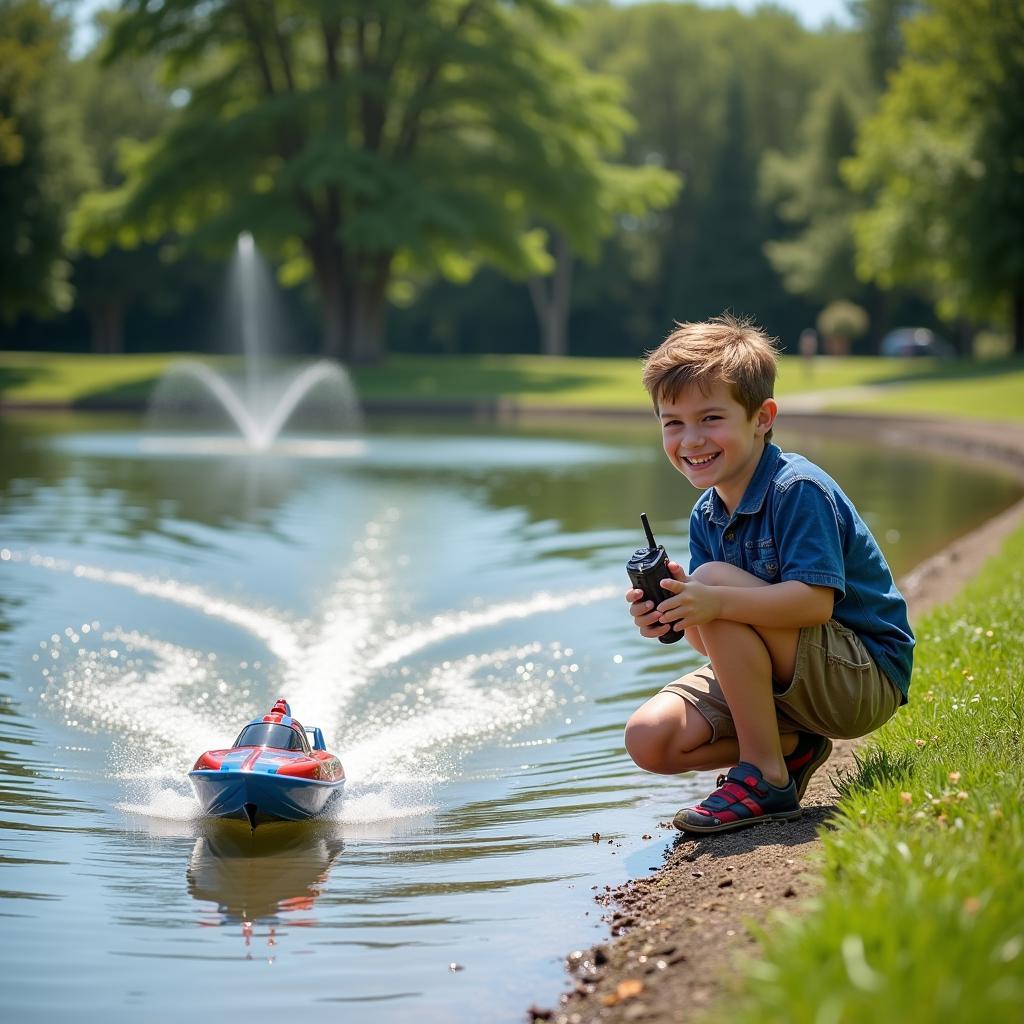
<point>753,496</point>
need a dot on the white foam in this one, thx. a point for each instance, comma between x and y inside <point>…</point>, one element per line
<point>394,802</point>
<point>165,804</point>
<point>441,627</point>
<point>165,702</point>
<point>278,634</point>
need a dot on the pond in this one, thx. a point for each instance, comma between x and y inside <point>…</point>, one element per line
<point>445,602</point>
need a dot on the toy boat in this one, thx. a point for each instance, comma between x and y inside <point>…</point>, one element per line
<point>272,772</point>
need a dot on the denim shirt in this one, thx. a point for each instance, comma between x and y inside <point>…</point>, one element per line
<point>795,523</point>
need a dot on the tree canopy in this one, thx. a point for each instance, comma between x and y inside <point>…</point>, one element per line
<point>363,139</point>
<point>806,189</point>
<point>41,164</point>
<point>504,175</point>
<point>943,159</point>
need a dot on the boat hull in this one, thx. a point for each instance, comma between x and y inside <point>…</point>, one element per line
<point>256,797</point>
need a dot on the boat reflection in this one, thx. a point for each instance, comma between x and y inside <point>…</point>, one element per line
<point>268,877</point>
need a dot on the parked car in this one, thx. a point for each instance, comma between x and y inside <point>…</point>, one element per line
<point>915,341</point>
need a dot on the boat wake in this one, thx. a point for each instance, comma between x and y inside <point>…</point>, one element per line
<point>400,725</point>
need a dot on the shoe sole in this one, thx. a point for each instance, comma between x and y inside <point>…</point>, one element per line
<point>825,754</point>
<point>729,826</point>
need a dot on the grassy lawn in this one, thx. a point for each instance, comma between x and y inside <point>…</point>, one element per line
<point>992,389</point>
<point>59,377</point>
<point>921,917</point>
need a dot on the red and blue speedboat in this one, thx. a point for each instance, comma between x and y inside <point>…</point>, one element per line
<point>276,770</point>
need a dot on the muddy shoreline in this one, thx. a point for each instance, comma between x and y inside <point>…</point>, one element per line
<point>672,934</point>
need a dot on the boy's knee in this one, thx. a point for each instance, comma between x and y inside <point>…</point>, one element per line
<point>647,743</point>
<point>714,574</point>
<point>723,574</point>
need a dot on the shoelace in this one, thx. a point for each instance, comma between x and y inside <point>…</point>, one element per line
<point>730,791</point>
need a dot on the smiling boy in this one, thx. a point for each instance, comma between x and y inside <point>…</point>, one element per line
<point>787,594</point>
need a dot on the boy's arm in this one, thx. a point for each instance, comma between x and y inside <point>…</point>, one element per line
<point>786,605</point>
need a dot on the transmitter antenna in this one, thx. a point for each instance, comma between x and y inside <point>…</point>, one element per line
<point>651,542</point>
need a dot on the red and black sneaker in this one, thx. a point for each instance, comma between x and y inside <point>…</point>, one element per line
<point>744,797</point>
<point>810,753</point>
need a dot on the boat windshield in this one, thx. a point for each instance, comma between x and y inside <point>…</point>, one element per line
<point>268,734</point>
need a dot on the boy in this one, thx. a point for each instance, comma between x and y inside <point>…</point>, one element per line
<point>787,594</point>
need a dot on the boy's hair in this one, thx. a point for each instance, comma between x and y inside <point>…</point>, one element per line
<point>722,349</point>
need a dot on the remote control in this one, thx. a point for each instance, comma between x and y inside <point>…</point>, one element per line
<point>646,569</point>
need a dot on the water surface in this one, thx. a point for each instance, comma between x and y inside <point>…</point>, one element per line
<point>446,603</point>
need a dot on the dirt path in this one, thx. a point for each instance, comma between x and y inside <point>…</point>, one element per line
<point>674,932</point>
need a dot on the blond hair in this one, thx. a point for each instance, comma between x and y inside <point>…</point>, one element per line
<point>721,350</point>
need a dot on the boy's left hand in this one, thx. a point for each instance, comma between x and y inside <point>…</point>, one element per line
<point>694,603</point>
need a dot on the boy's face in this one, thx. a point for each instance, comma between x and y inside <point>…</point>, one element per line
<point>710,439</point>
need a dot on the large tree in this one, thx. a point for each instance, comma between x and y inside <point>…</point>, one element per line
<point>881,24</point>
<point>943,159</point>
<point>41,165</point>
<point>362,138</point>
<point>708,86</point>
<point>815,259</point>
<point>120,106</point>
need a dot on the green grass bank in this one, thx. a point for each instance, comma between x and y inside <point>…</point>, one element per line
<point>921,914</point>
<point>992,389</point>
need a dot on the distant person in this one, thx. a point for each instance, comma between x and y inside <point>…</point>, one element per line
<point>786,594</point>
<point>808,348</point>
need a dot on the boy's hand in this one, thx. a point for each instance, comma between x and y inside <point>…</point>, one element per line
<point>646,617</point>
<point>694,603</point>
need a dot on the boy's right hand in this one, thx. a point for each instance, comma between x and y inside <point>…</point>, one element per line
<point>645,615</point>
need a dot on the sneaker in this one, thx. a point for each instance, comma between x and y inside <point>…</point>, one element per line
<point>743,798</point>
<point>810,753</point>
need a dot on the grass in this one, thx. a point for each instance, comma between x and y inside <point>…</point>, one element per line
<point>992,388</point>
<point>921,915</point>
<point>72,379</point>
<point>998,395</point>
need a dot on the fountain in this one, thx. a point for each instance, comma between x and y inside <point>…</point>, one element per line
<point>257,404</point>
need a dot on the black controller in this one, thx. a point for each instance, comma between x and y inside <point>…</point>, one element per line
<point>646,569</point>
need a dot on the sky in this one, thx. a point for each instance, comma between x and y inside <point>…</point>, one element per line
<point>813,13</point>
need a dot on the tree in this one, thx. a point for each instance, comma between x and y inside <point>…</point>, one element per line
<point>119,106</point>
<point>816,260</point>
<point>362,139</point>
<point>728,269</point>
<point>943,159</point>
<point>881,22</point>
<point>41,169</point>
<point>628,194</point>
<point>677,61</point>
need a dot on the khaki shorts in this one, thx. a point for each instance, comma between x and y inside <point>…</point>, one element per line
<point>837,689</point>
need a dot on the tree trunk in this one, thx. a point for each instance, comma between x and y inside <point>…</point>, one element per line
<point>329,273</point>
<point>332,318</point>
<point>880,313</point>
<point>551,300</point>
<point>963,337</point>
<point>106,323</point>
<point>1018,320</point>
<point>353,299</point>
<point>369,304</point>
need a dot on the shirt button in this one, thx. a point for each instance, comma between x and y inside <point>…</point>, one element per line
<point>730,535</point>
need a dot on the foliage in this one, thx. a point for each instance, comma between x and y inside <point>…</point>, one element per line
<point>696,84</point>
<point>943,159</point>
<point>40,166</point>
<point>919,918</point>
<point>881,22</point>
<point>119,107</point>
<point>841,319</point>
<point>363,139</point>
<point>816,259</point>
